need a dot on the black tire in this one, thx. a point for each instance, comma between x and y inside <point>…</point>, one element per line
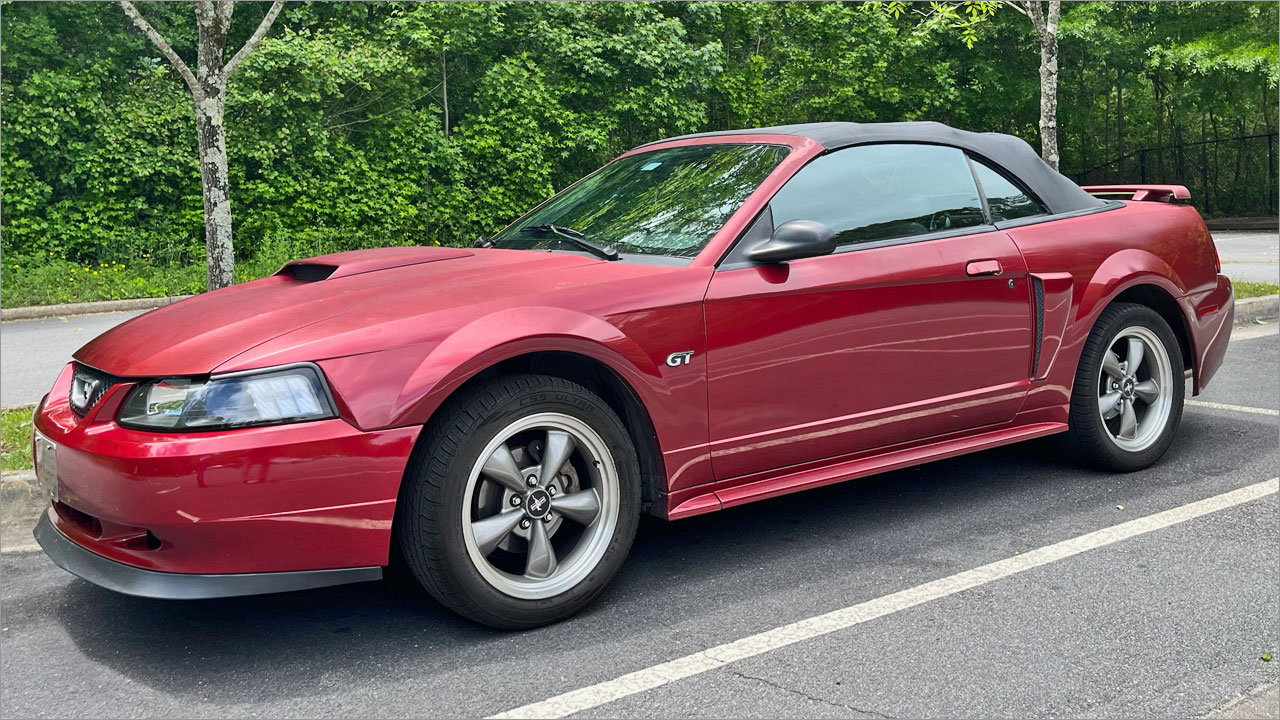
<point>1088,440</point>
<point>430,511</point>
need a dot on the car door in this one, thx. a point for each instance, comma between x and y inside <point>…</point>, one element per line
<point>920,324</point>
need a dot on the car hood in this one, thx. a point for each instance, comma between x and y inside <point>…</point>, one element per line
<point>341,304</point>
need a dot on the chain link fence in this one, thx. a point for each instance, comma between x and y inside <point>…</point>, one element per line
<point>1228,177</point>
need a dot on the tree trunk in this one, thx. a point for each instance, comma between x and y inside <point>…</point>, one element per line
<point>213,20</point>
<point>444,90</point>
<point>1120,122</point>
<point>1106,132</point>
<point>1205,195</point>
<point>1217,152</point>
<point>1049,103</point>
<point>1235,179</point>
<point>1155,82</point>
<point>212,139</point>
<point>1046,24</point>
<point>208,86</point>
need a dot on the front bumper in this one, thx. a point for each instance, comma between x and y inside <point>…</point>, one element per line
<point>304,497</point>
<point>131,580</point>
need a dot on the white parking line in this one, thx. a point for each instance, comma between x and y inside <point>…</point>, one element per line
<point>817,626</point>
<point>19,548</point>
<point>1232,408</point>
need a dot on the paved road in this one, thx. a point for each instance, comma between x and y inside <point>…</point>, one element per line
<point>33,351</point>
<point>1253,256</point>
<point>1168,623</point>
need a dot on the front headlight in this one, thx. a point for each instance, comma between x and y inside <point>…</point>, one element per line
<point>270,397</point>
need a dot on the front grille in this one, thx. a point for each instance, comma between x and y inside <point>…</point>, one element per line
<point>87,388</point>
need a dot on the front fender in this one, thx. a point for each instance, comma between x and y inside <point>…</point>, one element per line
<point>405,385</point>
<point>489,340</point>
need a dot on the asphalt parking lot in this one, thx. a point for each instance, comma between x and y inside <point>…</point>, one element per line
<point>1170,622</point>
<point>1249,255</point>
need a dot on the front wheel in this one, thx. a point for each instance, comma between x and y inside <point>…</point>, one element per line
<point>521,502</point>
<point>1127,400</point>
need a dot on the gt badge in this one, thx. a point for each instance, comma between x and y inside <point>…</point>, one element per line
<point>679,358</point>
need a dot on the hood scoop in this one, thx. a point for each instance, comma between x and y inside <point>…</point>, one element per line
<point>356,262</point>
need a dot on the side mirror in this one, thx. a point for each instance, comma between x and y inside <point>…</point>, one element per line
<point>793,240</point>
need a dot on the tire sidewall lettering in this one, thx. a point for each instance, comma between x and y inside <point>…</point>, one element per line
<point>573,401</point>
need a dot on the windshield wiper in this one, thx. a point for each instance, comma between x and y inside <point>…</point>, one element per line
<point>577,239</point>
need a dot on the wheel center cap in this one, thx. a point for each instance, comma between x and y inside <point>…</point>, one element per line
<point>537,503</point>
<point>1126,388</point>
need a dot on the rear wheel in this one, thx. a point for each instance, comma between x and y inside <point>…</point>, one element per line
<point>521,503</point>
<point>1127,400</point>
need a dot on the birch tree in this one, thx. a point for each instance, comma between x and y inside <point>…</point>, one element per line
<point>964,17</point>
<point>208,86</point>
<point>1045,19</point>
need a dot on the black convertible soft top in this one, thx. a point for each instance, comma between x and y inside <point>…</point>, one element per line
<point>1011,154</point>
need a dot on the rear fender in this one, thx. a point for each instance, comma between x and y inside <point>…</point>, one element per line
<point>1123,270</point>
<point>1119,272</point>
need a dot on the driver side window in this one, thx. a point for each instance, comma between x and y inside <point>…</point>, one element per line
<point>880,192</point>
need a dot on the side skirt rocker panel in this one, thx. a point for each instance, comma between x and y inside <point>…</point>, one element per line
<point>840,470</point>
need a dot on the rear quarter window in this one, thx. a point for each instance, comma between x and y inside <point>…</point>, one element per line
<point>1006,200</point>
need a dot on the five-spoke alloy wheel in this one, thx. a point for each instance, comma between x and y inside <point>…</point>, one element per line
<point>520,501</point>
<point>1135,388</point>
<point>541,505</point>
<point>1129,388</point>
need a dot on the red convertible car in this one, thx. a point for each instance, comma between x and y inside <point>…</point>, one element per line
<point>703,322</point>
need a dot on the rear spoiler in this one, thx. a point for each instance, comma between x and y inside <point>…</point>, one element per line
<point>1141,193</point>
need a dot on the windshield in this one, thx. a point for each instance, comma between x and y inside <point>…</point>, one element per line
<point>665,202</point>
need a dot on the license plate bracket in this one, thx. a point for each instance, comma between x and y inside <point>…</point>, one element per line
<point>46,461</point>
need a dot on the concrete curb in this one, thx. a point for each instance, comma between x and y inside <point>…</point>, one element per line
<point>21,504</point>
<point>1251,310</point>
<point>21,501</point>
<point>1263,223</point>
<point>32,312</point>
<point>18,492</point>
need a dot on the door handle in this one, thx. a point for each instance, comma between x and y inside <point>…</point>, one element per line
<point>983,267</point>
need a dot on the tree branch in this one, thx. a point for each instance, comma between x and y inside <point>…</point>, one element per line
<point>1035,11</point>
<point>225,8</point>
<point>254,39</point>
<point>1016,6</point>
<point>1055,14</point>
<point>379,115</point>
<point>158,40</point>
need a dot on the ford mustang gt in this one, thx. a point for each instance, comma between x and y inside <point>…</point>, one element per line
<point>705,321</point>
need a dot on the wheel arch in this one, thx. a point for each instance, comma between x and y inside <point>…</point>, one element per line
<point>551,341</point>
<point>1138,276</point>
<point>601,379</point>
<point>1124,270</point>
<point>1158,299</point>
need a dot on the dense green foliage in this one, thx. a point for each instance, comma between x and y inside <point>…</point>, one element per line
<point>338,134</point>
